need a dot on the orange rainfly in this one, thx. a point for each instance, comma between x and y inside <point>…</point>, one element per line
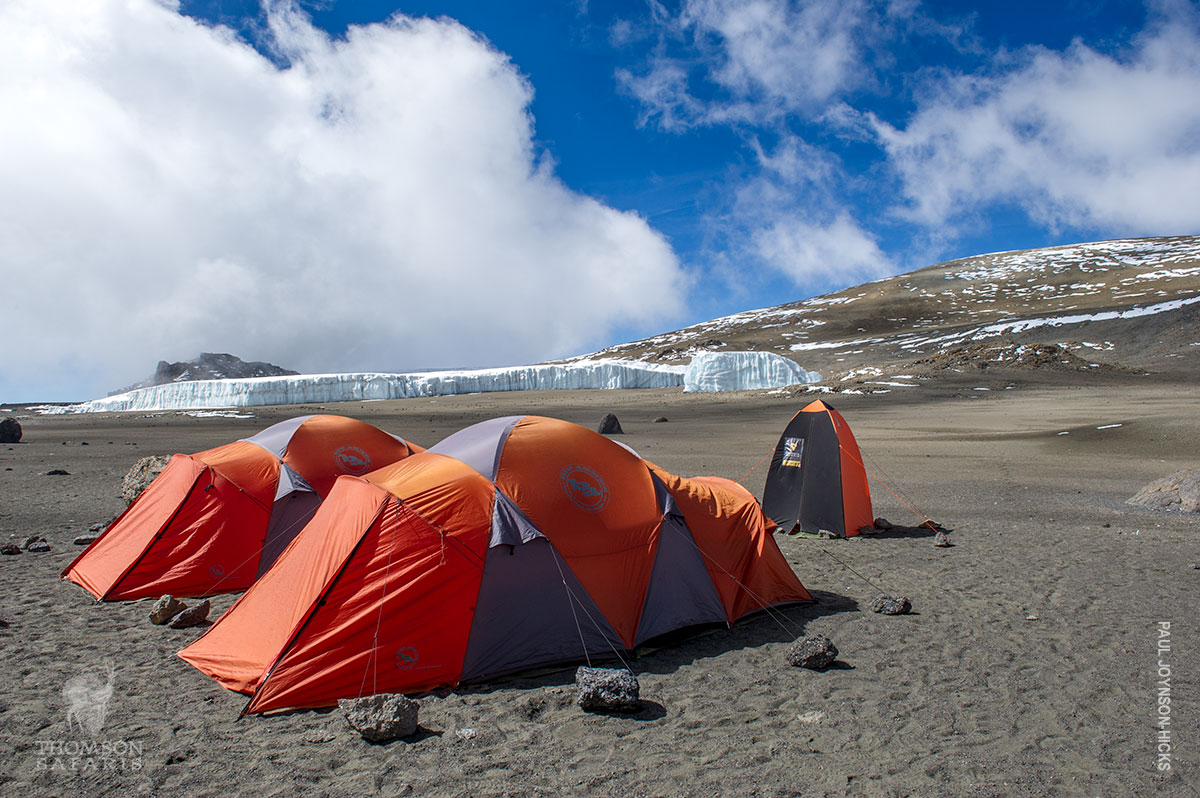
<point>212,522</point>
<point>515,543</point>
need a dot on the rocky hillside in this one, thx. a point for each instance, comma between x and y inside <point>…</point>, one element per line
<point>1130,305</point>
<point>208,366</point>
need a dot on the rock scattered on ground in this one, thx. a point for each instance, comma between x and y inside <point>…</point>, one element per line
<point>144,472</point>
<point>10,430</point>
<point>165,609</point>
<point>891,605</point>
<point>609,425</point>
<point>941,541</point>
<point>36,544</point>
<point>10,548</point>
<point>58,472</point>
<point>192,616</point>
<point>607,690</point>
<point>1179,491</point>
<point>381,718</point>
<point>883,524</point>
<point>84,540</point>
<point>661,419</point>
<point>815,652</point>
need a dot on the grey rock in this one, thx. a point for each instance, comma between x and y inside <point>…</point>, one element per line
<point>84,540</point>
<point>1179,491</point>
<point>37,545</point>
<point>815,652</point>
<point>381,718</point>
<point>58,472</point>
<point>10,548</point>
<point>10,430</point>
<point>607,690</point>
<point>192,616</point>
<point>165,609</point>
<point>97,528</point>
<point>883,523</point>
<point>891,605</point>
<point>941,541</point>
<point>661,419</point>
<point>825,534</point>
<point>140,476</point>
<point>609,425</point>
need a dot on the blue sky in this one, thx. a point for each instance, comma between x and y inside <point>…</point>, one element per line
<point>390,186</point>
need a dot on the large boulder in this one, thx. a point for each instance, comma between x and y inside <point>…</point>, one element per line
<point>607,690</point>
<point>192,616</point>
<point>1179,491</point>
<point>610,426</point>
<point>139,477</point>
<point>381,718</point>
<point>10,430</point>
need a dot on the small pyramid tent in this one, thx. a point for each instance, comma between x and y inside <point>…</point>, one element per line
<point>817,481</point>
<point>515,543</point>
<point>213,522</point>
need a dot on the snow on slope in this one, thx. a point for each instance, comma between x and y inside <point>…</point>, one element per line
<point>754,370</point>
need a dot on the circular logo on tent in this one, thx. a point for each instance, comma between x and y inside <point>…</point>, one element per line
<point>353,460</point>
<point>406,658</point>
<point>584,488</point>
<point>216,570</point>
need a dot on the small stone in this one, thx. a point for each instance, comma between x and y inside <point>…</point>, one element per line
<point>465,734</point>
<point>867,530</point>
<point>97,528</point>
<point>891,605</point>
<point>816,653</point>
<point>941,541</point>
<point>1032,617</point>
<point>825,534</point>
<point>10,430</point>
<point>661,419</point>
<point>381,718</point>
<point>84,540</point>
<point>37,545</point>
<point>165,609</point>
<point>30,541</point>
<point>1195,566</point>
<point>10,548</point>
<point>58,472</point>
<point>607,690</point>
<point>192,616</point>
<point>883,523</point>
<point>609,425</point>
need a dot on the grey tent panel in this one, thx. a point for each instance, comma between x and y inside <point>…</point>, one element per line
<point>479,445</point>
<point>275,438</point>
<point>295,504</point>
<point>681,592</point>
<point>510,526</point>
<point>526,617</point>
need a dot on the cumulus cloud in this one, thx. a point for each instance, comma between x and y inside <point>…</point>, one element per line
<point>1078,139</point>
<point>819,253</point>
<point>372,202</point>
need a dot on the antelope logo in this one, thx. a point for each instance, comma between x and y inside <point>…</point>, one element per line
<point>87,698</point>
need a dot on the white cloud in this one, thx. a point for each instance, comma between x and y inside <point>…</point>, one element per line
<point>1077,139</point>
<point>376,204</point>
<point>819,253</point>
<point>755,60</point>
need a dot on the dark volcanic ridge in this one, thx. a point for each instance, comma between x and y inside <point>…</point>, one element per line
<point>208,366</point>
<point>1120,307</point>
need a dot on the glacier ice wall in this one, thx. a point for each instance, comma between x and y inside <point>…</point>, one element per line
<point>743,371</point>
<point>723,371</point>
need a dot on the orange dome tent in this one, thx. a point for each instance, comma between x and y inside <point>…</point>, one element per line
<point>213,522</point>
<point>817,481</point>
<point>515,543</point>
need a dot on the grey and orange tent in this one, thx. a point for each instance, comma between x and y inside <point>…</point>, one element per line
<point>515,543</point>
<point>214,521</point>
<point>817,482</point>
